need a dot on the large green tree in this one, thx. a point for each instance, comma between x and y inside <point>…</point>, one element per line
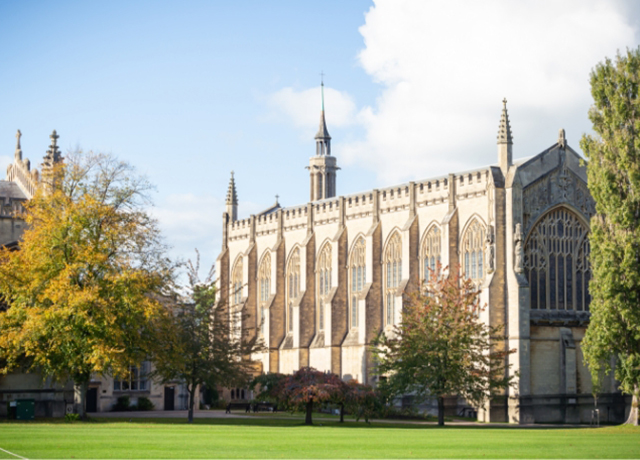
<point>203,341</point>
<point>614,181</point>
<point>442,348</point>
<point>78,289</point>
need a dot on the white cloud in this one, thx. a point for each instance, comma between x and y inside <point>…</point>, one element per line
<point>303,107</point>
<point>445,66</point>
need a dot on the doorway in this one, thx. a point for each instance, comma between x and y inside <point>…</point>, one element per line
<point>92,400</point>
<point>169,396</point>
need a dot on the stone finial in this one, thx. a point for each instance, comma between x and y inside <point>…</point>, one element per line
<point>53,155</point>
<point>18,136</point>
<point>232,194</point>
<point>562,139</point>
<point>504,131</point>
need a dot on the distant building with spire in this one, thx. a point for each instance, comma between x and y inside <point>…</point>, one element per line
<point>20,186</point>
<point>321,280</point>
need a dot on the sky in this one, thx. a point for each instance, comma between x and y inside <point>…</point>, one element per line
<point>189,91</point>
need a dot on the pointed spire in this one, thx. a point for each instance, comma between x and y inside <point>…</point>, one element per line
<point>323,133</point>
<point>53,154</point>
<point>504,131</point>
<point>232,195</point>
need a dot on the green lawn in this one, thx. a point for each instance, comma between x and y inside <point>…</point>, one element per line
<point>271,438</point>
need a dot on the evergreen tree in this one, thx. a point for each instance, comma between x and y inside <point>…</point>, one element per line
<point>614,181</point>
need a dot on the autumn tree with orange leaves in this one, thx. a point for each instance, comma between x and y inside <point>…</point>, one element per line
<point>442,347</point>
<point>81,289</point>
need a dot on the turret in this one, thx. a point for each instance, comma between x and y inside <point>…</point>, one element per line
<point>505,141</point>
<point>322,167</point>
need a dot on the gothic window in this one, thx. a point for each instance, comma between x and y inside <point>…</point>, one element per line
<point>293,285</point>
<point>556,262</point>
<point>236,284</point>
<point>393,274</point>
<point>431,252</point>
<point>264,290</point>
<point>473,251</point>
<point>357,267</point>
<point>324,282</point>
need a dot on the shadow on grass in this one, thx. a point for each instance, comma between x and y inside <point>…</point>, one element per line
<point>291,422</point>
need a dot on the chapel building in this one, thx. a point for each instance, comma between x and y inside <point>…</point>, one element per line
<point>319,281</point>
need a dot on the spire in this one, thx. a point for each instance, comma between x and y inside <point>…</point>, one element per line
<point>232,200</point>
<point>53,154</point>
<point>232,194</point>
<point>504,131</point>
<point>323,133</point>
<point>505,141</point>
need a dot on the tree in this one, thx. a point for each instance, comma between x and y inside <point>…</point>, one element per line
<point>301,390</point>
<point>614,181</point>
<point>360,400</point>
<point>201,341</point>
<point>442,347</point>
<point>78,289</point>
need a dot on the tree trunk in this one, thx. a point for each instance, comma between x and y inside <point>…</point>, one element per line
<point>191,389</point>
<point>440,411</point>
<point>341,412</point>
<point>308,420</point>
<point>82,388</point>
<point>633,412</point>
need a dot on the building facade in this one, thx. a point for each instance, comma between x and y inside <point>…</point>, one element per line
<point>53,398</point>
<point>321,280</point>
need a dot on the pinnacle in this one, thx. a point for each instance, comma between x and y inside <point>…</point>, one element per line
<point>232,195</point>
<point>504,131</point>
<point>323,133</point>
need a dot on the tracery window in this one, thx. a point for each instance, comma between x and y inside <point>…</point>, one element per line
<point>236,284</point>
<point>556,262</point>
<point>324,282</point>
<point>358,274</point>
<point>431,252</point>
<point>264,290</point>
<point>393,274</point>
<point>473,251</point>
<point>293,285</point>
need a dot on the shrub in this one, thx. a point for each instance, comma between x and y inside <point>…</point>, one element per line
<point>122,404</point>
<point>145,404</point>
<point>71,418</point>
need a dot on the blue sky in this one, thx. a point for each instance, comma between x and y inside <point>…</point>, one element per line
<point>188,91</point>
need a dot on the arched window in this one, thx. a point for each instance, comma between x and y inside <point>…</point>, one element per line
<point>264,290</point>
<point>473,251</point>
<point>556,262</point>
<point>431,252</point>
<point>323,270</point>
<point>293,285</point>
<point>357,277</point>
<point>393,274</point>
<point>236,284</point>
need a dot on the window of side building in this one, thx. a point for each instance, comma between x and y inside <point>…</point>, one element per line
<point>136,380</point>
<point>264,290</point>
<point>431,252</point>
<point>472,253</point>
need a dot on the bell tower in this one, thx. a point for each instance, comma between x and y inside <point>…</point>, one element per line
<point>322,167</point>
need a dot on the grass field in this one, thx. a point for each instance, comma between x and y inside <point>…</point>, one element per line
<point>271,438</point>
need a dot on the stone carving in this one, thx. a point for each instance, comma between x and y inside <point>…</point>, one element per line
<point>559,186</point>
<point>490,250</point>
<point>519,250</point>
